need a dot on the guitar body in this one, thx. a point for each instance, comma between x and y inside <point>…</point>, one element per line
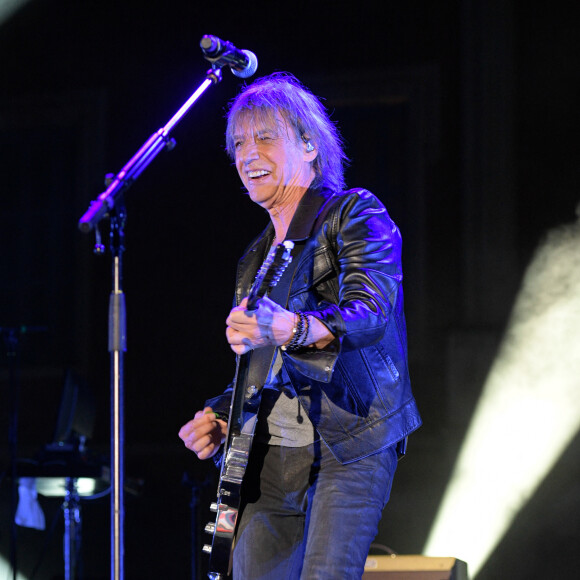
<point>251,372</point>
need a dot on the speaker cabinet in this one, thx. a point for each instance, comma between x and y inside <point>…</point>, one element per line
<point>414,568</point>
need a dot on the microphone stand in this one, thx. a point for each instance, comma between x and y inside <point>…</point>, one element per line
<point>100,207</point>
<point>117,348</point>
<point>105,206</point>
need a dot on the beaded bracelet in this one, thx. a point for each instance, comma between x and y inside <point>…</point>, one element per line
<point>296,333</point>
<point>305,331</point>
<point>299,332</point>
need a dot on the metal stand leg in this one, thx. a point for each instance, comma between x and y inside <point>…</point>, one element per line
<point>72,530</point>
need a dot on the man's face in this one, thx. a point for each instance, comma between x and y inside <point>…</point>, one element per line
<point>271,160</point>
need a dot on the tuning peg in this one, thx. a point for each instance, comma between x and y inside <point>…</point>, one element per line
<point>210,528</point>
<point>206,549</point>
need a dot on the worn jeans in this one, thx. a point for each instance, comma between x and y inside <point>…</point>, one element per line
<point>306,516</point>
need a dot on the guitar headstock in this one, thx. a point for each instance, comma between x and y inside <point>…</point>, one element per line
<point>270,272</point>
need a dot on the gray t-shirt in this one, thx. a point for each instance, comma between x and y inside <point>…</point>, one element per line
<point>281,419</point>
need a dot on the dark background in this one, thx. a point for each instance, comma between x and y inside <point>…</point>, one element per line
<point>462,117</point>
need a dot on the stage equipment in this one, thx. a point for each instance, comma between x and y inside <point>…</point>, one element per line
<point>64,468</point>
<point>414,568</point>
<point>110,204</point>
<point>11,336</point>
<point>242,62</point>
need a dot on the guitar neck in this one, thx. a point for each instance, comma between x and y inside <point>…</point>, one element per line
<point>251,373</point>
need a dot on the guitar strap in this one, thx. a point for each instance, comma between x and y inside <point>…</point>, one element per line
<point>261,360</point>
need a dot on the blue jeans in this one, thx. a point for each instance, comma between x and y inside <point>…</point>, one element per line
<point>306,516</point>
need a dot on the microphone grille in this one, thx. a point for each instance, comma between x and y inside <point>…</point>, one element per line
<point>250,68</point>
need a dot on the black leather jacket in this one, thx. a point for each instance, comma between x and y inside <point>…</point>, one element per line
<point>356,391</point>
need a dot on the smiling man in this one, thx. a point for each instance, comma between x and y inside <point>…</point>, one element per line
<point>275,167</point>
<point>333,401</point>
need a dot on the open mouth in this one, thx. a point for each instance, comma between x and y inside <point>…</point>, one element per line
<point>257,174</point>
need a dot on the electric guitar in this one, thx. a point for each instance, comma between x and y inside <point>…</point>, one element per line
<point>244,408</point>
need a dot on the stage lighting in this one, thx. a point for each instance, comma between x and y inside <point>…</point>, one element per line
<point>6,571</point>
<point>9,7</point>
<point>528,413</point>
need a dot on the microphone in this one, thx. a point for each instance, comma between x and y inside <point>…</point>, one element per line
<point>243,63</point>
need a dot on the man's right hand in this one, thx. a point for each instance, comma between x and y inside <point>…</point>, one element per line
<point>204,433</point>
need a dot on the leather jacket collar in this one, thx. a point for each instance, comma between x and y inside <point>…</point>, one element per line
<point>309,211</point>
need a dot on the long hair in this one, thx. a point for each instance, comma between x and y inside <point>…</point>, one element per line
<point>284,94</point>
